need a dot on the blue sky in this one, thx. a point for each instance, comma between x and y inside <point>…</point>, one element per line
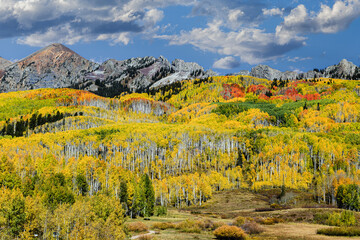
<point>224,35</point>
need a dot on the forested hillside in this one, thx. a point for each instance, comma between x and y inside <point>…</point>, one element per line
<point>77,164</point>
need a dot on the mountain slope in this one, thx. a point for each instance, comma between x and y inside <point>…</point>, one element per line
<point>4,63</point>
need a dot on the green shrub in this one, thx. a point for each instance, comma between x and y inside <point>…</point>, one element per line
<point>189,226</point>
<point>275,206</point>
<point>343,219</point>
<point>337,231</point>
<point>239,221</point>
<point>321,218</point>
<point>229,233</point>
<point>160,211</point>
<point>348,196</point>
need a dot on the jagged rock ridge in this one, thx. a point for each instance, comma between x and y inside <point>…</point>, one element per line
<point>56,66</point>
<point>345,70</point>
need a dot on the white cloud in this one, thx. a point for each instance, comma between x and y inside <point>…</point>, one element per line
<point>153,16</point>
<point>298,59</point>
<point>255,45</point>
<point>235,16</point>
<point>226,63</point>
<point>63,34</point>
<point>38,22</point>
<point>233,27</point>
<point>273,11</point>
<point>250,44</point>
<point>328,20</point>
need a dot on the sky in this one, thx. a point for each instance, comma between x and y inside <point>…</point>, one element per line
<point>224,35</point>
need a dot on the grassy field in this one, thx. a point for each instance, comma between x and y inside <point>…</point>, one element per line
<point>296,222</point>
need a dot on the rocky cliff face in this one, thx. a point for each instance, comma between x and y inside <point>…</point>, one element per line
<point>57,66</point>
<point>345,70</point>
<point>183,70</point>
<point>132,75</point>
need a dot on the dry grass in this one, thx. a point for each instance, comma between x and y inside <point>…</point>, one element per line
<point>171,234</point>
<point>228,203</point>
<point>252,228</point>
<point>297,231</point>
<point>199,222</point>
<point>163,225</point>
<point>145,237</point>
<point>137,227</point>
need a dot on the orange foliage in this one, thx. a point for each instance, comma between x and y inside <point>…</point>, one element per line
<point>258,89</point>
<point>232,91</point>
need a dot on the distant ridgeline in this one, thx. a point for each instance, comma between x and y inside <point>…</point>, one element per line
<point>88,160</point>
<point>57,66</point>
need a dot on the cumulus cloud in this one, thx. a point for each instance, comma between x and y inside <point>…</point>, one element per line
<point>38,22</point>
<point>234,34</point>
<point>328,20</point>
<point>64,34</point>
<point>233,13</point>
<point>233,26</point>
<point>226,63</point>
<point>250,44</point>
<point>273,11</point>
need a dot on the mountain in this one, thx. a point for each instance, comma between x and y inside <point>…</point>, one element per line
<point>139,74</point>
<point>4,63</point>
<point>56,66</point>
<point>345,70</point>
<point>183,70</point>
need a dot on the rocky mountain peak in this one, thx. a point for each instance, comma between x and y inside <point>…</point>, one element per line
<point>264,71</point>
<point>182,66</point>
<point>345,69</point>
<point>51,58</point>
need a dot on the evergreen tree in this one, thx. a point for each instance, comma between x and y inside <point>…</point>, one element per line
<point>33,121</point>
<point>81,184</point>
<point>16,217</point>
<point>123,192</point>
<point>146,196</point>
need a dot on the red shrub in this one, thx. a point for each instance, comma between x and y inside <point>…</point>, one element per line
<point>232,91</point>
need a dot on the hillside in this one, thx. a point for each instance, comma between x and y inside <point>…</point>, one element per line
<point>193,138</point>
